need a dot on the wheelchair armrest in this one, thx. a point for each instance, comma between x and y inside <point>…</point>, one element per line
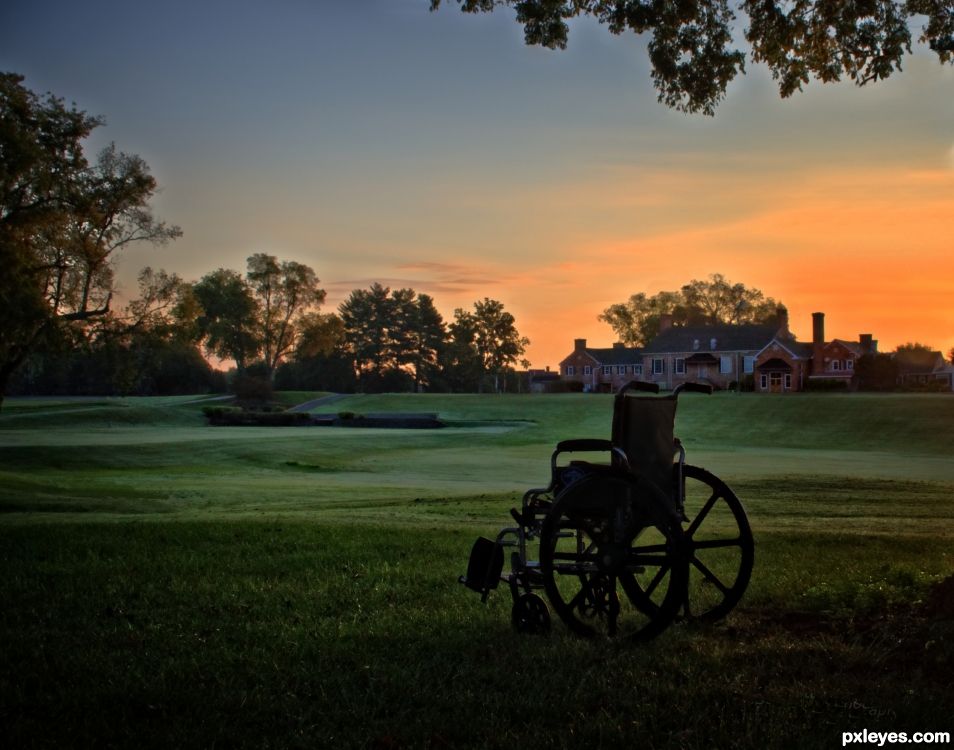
<point>588,444</point>
<point>583,444</point>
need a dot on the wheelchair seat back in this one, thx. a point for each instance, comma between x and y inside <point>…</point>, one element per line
<point>643,429</point>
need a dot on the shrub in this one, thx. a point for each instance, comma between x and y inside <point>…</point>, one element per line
<point>251,390</point>
<point>826,385</point>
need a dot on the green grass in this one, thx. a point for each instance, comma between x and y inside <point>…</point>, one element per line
<point>165,583</point>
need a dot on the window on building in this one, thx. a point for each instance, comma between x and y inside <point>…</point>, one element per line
<point>637,369</point>
<point>712,344</point>
<point>703,371</point>
<point>620,369</point>
<point>680,368</point>
<point>748,365</point>
<point>658,367</point>
<point>725,365</point>
<point>695,345</point>
<point>763,382</point>
<point>849,364</point>
<point>836,365</point>
<point>607,370</point>
<point>587,370</point>
<point>788,381</point>
<point>570,370</point>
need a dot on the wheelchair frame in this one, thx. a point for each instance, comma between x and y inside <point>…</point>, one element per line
<point>587,521</point>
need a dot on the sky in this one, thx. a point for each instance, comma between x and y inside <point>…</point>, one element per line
<point>376,141</point>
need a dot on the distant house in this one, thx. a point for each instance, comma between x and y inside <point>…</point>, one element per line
<point>602,370</point>
<point>722,356</point>
<point>786,365</point>
<point>924,368</point>
<point>540,381</point>
<point>719,355</point>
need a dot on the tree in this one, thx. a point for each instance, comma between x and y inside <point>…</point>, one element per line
<point>392,336</point>
<point>367,316</point>
<point>915,348</point>
<point>876,371</point>
<point>286,293</point>
<point>320,334</point>
<point>713,302</point>
<point>62,220</point>
<point>691,47</point>
<point>460,363</point>
<point>143,350</point>
<point>418,335</point>
<point>497,342</point>
<point>320,360</point>
<point>636,321</point>
<point>229,320</point>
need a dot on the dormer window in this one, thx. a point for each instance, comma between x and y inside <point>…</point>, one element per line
<point>695,345</point>
<point>712,344</point>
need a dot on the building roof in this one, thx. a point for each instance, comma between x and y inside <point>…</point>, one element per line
<point>617,355</point>
<point>728,338</point>
<point>854,347</point>
<point>797,349</point>
<point>919,362</point>
<point>779,365</point>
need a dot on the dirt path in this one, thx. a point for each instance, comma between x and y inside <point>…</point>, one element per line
<point>323,401</point>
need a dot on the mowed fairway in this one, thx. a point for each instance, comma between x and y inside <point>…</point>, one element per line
<point>165,583</point>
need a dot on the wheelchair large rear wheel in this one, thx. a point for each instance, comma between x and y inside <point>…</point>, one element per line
<point>719,545</point>
<point>610,558</point>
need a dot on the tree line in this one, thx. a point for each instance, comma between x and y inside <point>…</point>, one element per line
<point>64,219</point>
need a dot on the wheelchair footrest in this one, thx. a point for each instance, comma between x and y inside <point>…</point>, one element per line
<point>484,566</point>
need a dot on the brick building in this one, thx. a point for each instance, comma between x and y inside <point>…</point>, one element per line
<point>721,355</point>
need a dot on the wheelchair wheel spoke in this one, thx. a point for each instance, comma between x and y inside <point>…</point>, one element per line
<point>650,560</point>
<point>580,598</point>
<point>717,543</point>
<point>612,613</point>
<point>660,574</point>
<point>701,515</point>
<point>710,576</point>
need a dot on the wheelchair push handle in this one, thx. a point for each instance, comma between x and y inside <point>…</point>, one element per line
<point>639,385</point>
<point>642,385</point>
<point>693,388</point>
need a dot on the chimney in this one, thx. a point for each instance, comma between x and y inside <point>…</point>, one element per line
<point>867,345</point>
<point>782,315</point>
<point>619,345</point>
<point>579,345</point>
<point>818,328</point>
<point>665,322</point>
<point>818,343</point>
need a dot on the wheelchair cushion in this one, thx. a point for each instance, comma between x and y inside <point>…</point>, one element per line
<point>643,428</point>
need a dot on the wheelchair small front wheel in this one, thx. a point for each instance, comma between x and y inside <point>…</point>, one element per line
<point>530,615</point>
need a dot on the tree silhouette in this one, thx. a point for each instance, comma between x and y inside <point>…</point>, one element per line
<point>693,54</point>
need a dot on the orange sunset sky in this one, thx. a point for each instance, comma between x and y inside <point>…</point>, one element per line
<point>376,141</point>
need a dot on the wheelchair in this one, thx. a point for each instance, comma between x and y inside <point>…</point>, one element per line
<point>624,548</point>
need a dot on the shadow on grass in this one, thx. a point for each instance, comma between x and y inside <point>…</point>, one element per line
<point>297,634</point>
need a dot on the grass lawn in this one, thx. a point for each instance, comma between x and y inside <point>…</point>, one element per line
<point>167,584</point>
